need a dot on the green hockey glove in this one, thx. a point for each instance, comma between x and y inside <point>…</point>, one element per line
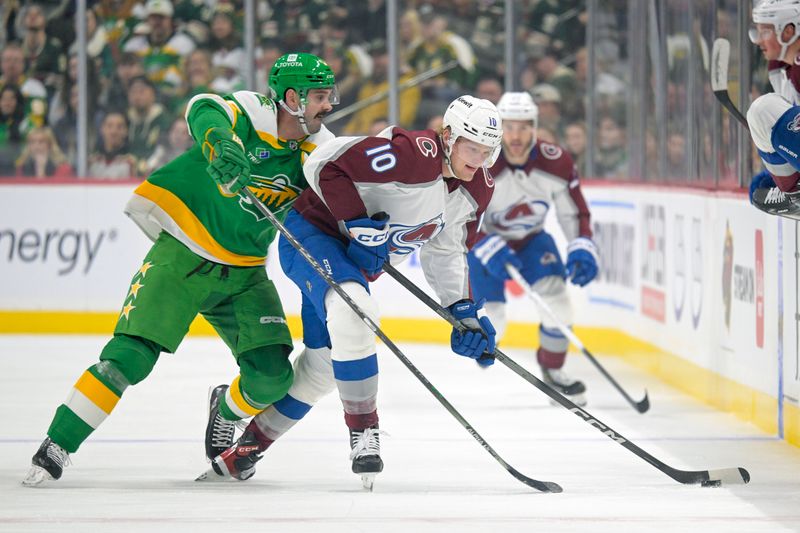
<point>228,164</point>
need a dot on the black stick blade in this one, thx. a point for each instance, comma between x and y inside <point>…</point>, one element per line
<point>541,486</point>
<point>644,404</point>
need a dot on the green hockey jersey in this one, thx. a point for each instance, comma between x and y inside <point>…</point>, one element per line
<point>183,200</point>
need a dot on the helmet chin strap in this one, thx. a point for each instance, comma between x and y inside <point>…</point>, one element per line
<point>448,149</point>
<point>299,115</point>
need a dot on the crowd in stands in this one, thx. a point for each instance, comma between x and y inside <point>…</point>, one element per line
<point>147,58</point>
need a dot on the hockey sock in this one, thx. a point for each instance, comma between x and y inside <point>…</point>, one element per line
<point>265,377</point>
<point>125,361</point>
<point>551,360</point>
<point>360,422</point>
<point>235,406</point>
<point>91,400</point>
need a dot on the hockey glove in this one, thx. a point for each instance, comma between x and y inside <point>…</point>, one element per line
<point>369,242</point>
<point>228,164</point>
<point>494,254</point>
<point>581,261</point>
<point>478,333</point>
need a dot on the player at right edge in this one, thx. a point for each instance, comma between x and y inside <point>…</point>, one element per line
<point>774,118</point>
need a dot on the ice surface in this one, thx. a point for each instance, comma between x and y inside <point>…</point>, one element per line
<point>136,472</point>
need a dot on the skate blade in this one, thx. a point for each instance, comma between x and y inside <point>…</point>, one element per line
<point>36,476</point>
<point>211,475</point>
<point>368,481</point>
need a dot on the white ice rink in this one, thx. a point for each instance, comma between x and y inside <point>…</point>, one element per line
<point>136,472</point>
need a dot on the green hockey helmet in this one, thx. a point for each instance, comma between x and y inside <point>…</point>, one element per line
<point>301,72</point>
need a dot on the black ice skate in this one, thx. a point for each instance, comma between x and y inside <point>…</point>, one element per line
<point>47,464</point>
<point>219,432</point>
<point>237,462</point>
<point>777,202</point>
<point>365,452</point>
<point>573,389</point>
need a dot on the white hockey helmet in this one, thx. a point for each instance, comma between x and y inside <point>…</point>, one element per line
<point>518,106</point>
<point>779,14</point>
<point>474,119</point>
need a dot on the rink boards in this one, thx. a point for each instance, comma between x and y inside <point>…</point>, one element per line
<point>697,287</point>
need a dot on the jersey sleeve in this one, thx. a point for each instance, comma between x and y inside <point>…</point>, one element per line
<point>330,172</point>
<point>205,111</point>
<point>444,258</point>
<point>572,211</point>
<point>245,112</point>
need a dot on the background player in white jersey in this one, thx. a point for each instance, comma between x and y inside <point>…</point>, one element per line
<point>377,199</point>
<point>773,117</point>
<point>530,177</point>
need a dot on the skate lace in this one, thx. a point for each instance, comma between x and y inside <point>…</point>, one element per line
<point>58,455</point>
<point>223,431</point>
<point>774,196</point>
<point>366,443</point>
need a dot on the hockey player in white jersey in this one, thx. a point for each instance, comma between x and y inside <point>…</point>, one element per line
<point>774,118</point>
<point>372,200</point>
<point>530,177</point>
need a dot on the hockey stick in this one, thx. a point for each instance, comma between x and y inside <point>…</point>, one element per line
<point>706,478</point>
<point>720,57</point>
<point>641,406</point>
<point>543,486</point>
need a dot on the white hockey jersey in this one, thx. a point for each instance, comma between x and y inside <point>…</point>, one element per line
<point>785,80</point>
<point>524,194</point>
<point>399,172</point>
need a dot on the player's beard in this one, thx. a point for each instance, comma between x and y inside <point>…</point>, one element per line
<point>515,151</point>
<point>314,124</point>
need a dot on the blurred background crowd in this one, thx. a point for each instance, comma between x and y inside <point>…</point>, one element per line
<point>622,84</point>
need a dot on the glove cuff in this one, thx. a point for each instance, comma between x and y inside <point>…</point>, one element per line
<point>214,136</point>
<point>462,309</point>
<point>369,231</point>
<point>586,244</point>
<point>488,247</point>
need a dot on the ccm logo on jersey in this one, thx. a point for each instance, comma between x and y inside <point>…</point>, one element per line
<point>550,151</point>
<point>427,147</point>
<point>406,239</point>
<point>272,320</point>
<point>794,125</point>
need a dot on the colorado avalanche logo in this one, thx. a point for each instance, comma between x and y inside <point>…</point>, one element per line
<point>427,146</point>
<point>794,125</point>
<point>405,239</point>
<point>550,151</point>
<point>525,216</point>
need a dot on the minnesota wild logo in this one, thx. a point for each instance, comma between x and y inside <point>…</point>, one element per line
<point>277,193</point>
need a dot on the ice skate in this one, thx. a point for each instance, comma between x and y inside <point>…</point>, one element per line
<point>573,389</point>
<point>220,433</point>
<point>365,453</point>
<point>47,464</point>
<point>237,462</point>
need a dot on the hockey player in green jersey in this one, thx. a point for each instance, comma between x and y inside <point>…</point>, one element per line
<point>209,253</point>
